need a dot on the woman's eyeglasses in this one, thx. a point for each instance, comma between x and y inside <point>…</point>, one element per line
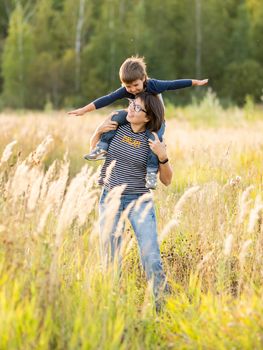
<point>137,108</point>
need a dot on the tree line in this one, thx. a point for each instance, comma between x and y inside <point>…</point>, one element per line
<point>68,52</point>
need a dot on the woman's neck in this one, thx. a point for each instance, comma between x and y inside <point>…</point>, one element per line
<point>138,127</point>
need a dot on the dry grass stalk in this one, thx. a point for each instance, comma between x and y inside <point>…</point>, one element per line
<point>244,204</point>
<point>69,207</point>
<point>242,258</point>
<point>167,228</point>
<point>254,214</point>
<point>148,299</point>
<point>23,181</point>
<point>68,212</point>
<point>85,206</point>
<point>35,191</point>
<point>49,176</point>
<point>145,197</point>
<point>177,212</point>
<point>108,216</point>
<point>244,251</point>
<point>43,218</point>
<point>55,190</point>
<point>228,245</point>
<point>109,171</point>
<point>8,151</point>
<point>43,148</point>
<point>145,212</point>
<point>112,204</point>
<point>181,202</point>
<point>204,261</point>
<point>28,176</point>
<point>88,199</point>
<point>127,244</point>
<point>124,216</point>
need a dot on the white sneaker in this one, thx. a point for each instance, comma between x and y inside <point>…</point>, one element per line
<point>96,154</point>
<point>151,181</point>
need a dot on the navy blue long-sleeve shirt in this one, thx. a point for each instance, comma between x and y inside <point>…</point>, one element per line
<point>153,86</point>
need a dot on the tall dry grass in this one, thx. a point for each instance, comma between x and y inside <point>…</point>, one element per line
<point>57,292</point>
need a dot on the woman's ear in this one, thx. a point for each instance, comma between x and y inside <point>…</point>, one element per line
<point>147,118</point>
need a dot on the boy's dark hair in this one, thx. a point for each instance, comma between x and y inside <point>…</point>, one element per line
<point>133,68</point>
<point>154,108</point>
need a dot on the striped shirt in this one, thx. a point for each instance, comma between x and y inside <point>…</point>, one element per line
<point>130,151</point>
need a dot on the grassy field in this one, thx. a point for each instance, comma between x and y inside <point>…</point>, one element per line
<point>55,292</point>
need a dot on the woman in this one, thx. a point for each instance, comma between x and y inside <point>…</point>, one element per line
<point>129,150</point>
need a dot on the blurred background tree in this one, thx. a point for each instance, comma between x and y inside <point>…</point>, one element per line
<point>68,52</point>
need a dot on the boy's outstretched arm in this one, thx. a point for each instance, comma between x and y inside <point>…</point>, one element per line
<point>101,102</point>
<point>80,111</point>
<point>159,86</point>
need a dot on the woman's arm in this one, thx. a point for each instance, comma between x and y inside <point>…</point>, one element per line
<point>106,125</point>
<point>165,174</point>
<point>159,148</point>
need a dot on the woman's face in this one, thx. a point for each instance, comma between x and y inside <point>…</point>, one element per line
<point>136,112</point>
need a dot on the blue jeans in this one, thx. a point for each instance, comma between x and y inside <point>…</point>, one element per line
<point>120,118</point>
<point>143,222</point>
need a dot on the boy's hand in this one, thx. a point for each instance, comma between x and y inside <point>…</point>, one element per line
<point>199,82</point>
<point>107,125</point>
<point>77,112</point>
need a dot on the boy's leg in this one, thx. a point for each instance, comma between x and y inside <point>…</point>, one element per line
<point>105,140</point>
<point>120,117</point>
<point>102,146</point>
<point>152,161</point>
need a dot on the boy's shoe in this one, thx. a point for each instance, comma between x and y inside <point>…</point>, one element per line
<point>96,154</point>
<point>151,181</point>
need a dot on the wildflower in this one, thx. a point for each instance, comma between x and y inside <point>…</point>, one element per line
<point>235,181</point>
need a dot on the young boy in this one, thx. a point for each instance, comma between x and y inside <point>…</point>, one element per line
<point>134,79</point>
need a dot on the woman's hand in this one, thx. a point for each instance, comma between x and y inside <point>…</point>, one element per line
<point>165,170</point>
<point>158,147</point>
<point>107,125</point>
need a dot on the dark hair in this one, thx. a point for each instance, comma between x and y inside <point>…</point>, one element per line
<point>154,108</point>
<point>133,68</point>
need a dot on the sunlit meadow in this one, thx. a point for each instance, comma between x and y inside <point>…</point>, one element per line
<point>55,291</point>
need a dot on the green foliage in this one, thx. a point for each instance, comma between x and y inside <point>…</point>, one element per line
<point>18,56</point>
<point>243,78</point>
<point>78,47</point>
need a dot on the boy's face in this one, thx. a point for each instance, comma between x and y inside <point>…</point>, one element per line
<point>135,87</point>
